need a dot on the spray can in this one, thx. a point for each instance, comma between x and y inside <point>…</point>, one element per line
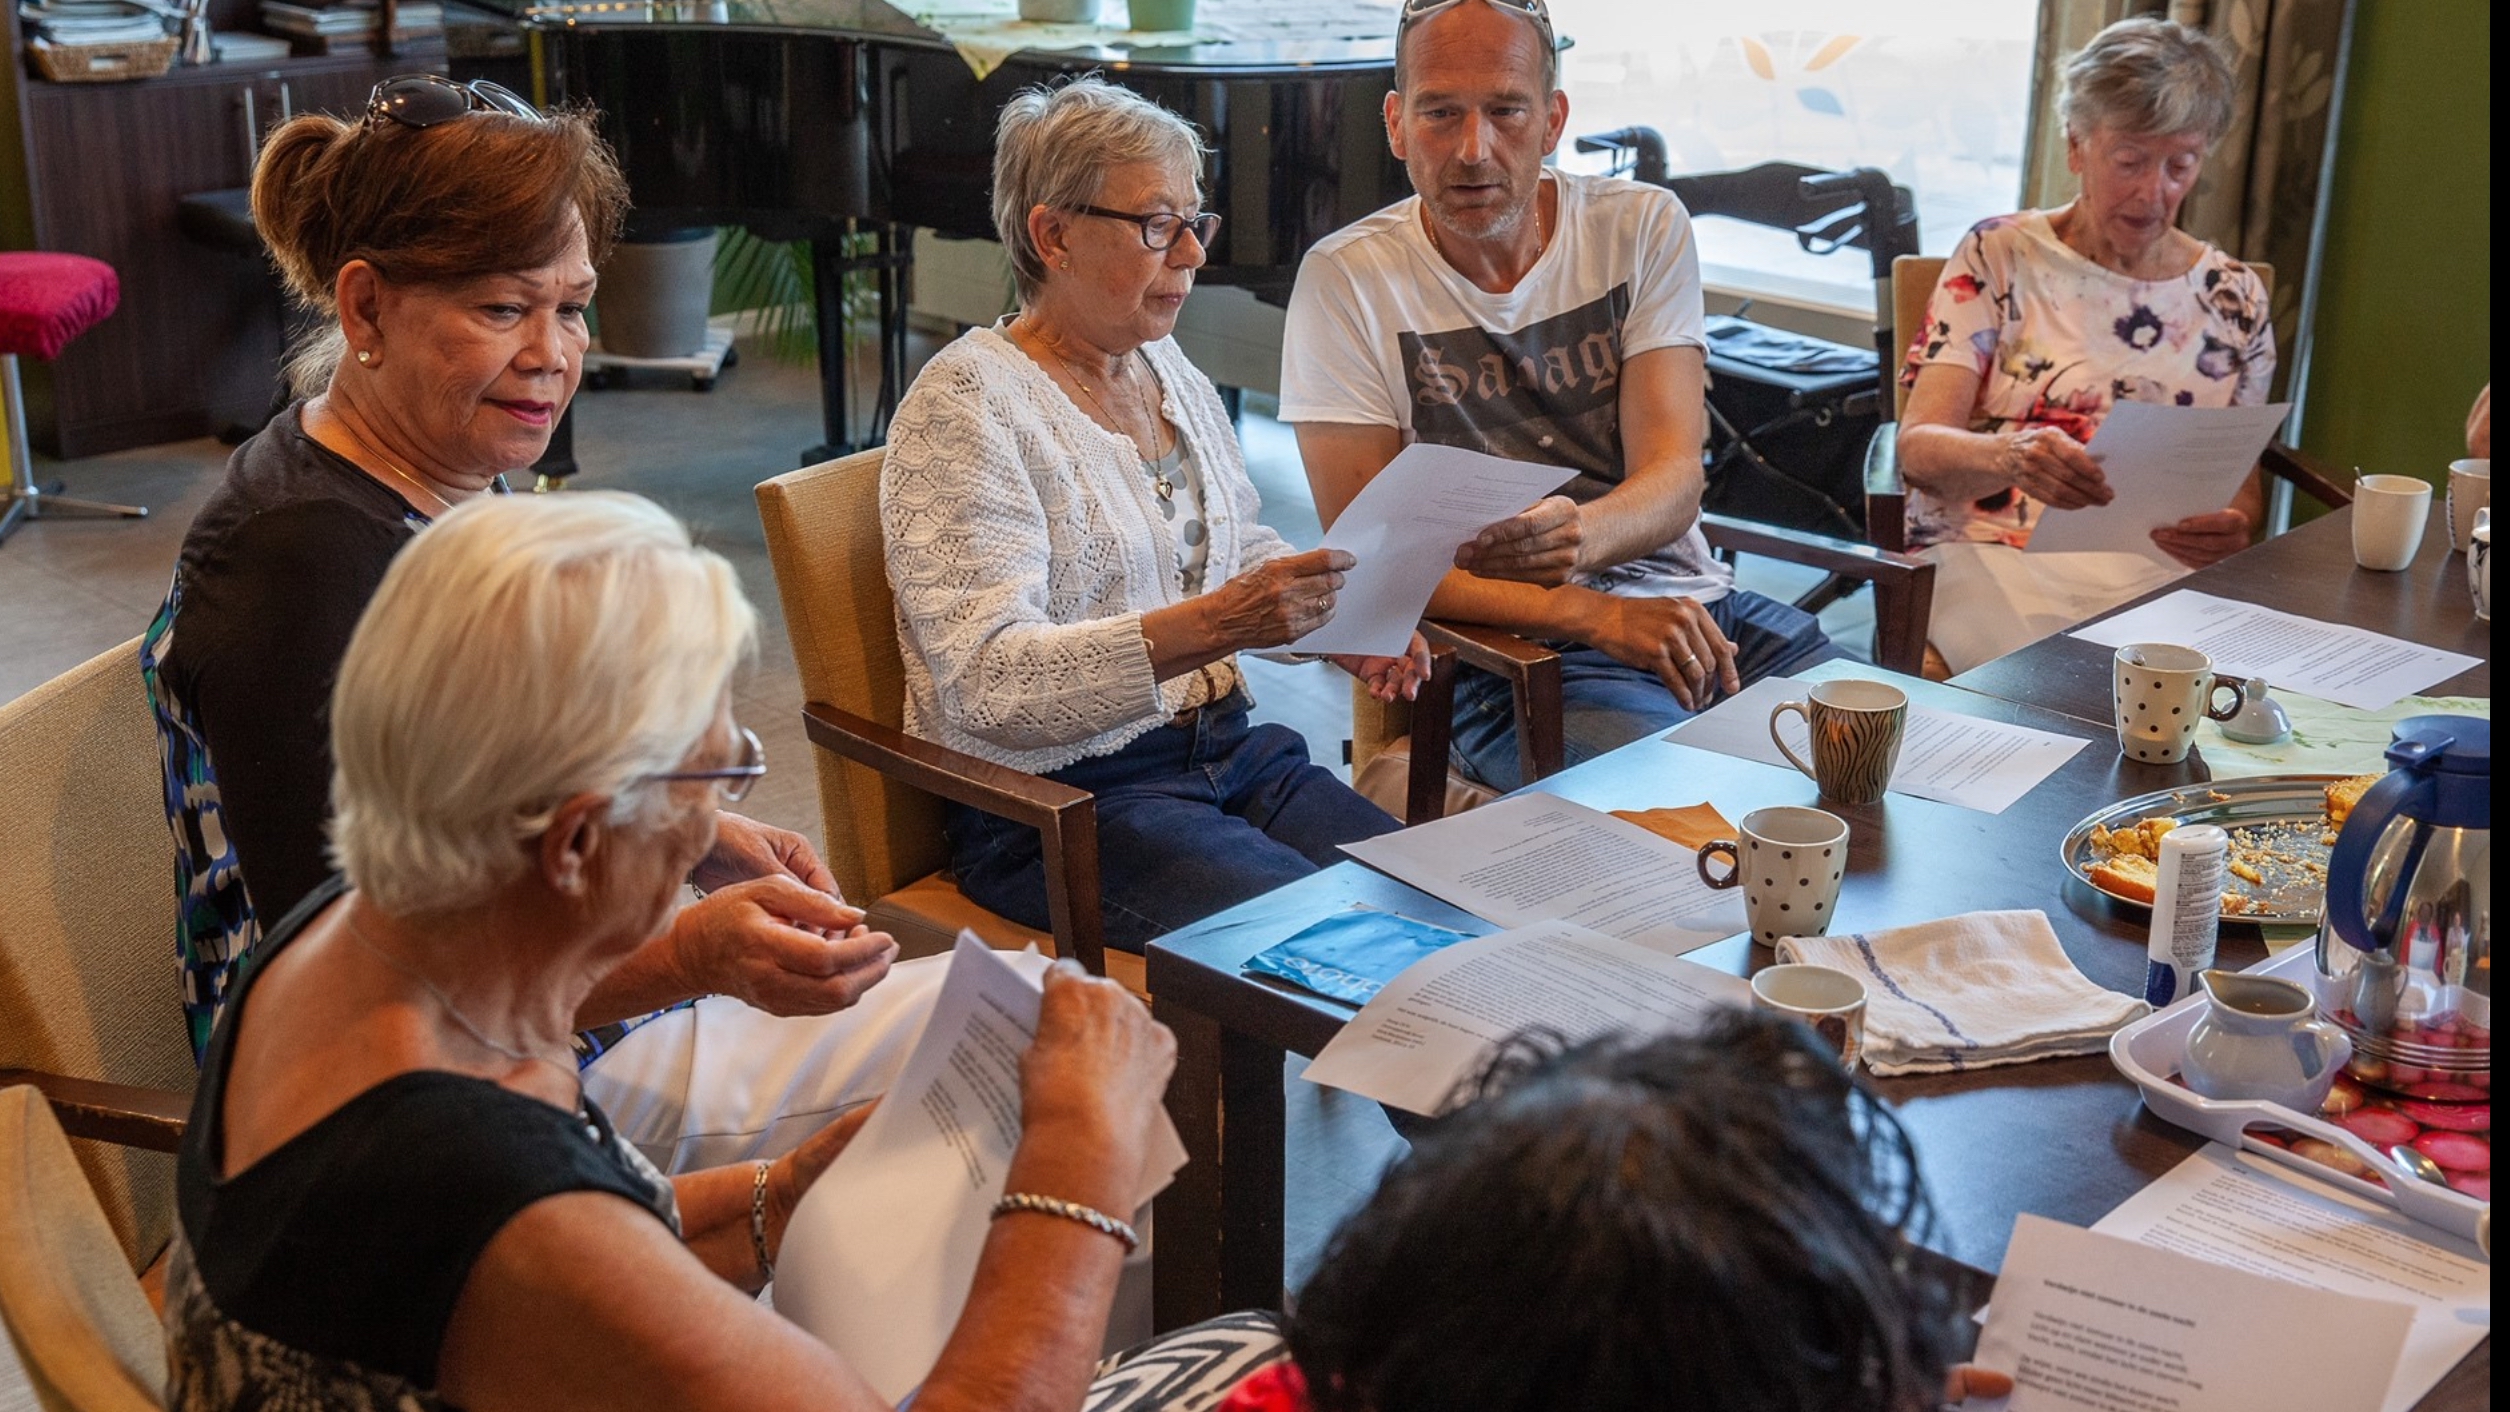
<point>2187,910</point>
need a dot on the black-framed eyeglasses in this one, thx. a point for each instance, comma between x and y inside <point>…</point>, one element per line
<point>1415,11</point>
<point>734,782</point>
<point>1161,230</point>
<point>424,100</point>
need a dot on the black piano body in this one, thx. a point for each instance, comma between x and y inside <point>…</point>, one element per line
<point>813,119</point>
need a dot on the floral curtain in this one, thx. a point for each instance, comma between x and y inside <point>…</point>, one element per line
<point>2260,186</point>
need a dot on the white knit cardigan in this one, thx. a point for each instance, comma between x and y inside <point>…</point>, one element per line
<point>1024,544</point>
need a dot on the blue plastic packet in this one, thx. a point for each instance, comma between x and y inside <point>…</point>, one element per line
<point>1351,955</point>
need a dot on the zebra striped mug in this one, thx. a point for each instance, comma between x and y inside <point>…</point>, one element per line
<point>1856,727</point>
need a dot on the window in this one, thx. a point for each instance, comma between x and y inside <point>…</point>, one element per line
<point>1935,92</point>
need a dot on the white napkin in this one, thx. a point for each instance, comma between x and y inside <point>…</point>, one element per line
<point>1968,992</point>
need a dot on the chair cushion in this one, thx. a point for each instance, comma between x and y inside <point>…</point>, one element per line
<point>72,1307</point>
<point>927,914</point>
<point>1386,782</point>
<point>47,299</point>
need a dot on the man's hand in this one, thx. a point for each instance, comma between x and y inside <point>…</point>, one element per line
<point>745,849</point>
<point>2205,539</point>
<point>1673,637</point>
<point>1390,678</point>
<point>2052,468</point>
<point>1539,546</point>
<point>783,947</point>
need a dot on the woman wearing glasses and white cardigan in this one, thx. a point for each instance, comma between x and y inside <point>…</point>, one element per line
<point>446,243</point>
<point>1074,547</point>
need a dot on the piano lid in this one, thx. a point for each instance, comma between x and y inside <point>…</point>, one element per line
<point>1247,38</point>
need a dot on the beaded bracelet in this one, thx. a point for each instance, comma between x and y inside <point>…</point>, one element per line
<point>758,1219</point>
<point>1071,1211</point>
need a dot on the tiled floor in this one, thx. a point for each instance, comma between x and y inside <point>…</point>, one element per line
<point>71,588</point>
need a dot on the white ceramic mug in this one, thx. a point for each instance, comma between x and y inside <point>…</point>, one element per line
<point>1789,863</point>
<point>2470,490</point>
<point>2161,690</point>
<point>1829,1000</point>
<point>2479,563</point>
<point>2388,516</point>
<point>1856,727</point>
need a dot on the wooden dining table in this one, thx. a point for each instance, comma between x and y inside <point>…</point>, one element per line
<point>2065,1138</point>
<point>2309,571</point>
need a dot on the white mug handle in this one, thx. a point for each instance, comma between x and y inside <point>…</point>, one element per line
<point>1801,708</point>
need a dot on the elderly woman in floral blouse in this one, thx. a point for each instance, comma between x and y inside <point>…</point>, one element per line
<point>2046,319</point>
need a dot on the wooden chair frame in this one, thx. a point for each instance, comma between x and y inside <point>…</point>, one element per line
<point>1066,819</point>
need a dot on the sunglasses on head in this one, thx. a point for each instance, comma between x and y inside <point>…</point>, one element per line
<point>1415,11</point>
<point>424,100</point>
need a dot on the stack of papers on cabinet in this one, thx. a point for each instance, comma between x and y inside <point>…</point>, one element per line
<point>95,22</point>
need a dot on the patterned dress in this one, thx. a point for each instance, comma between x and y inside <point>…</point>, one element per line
<point>2057,340</point>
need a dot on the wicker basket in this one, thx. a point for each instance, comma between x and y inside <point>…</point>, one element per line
<point>103,63</point>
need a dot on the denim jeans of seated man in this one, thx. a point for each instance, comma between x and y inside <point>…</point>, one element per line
<point>1606,703</point>
<point>1191,820</point>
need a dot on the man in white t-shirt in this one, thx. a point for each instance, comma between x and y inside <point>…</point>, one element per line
<point>1542,316</point>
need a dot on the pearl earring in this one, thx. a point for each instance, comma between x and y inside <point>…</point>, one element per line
<point>365,355</point>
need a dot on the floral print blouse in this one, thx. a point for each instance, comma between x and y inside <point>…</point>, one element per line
<point>2058,339</point>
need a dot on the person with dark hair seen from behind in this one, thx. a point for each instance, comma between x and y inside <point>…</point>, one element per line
<point>1720,1221</point>
<point>1544,316</point>
<point>447,241</point>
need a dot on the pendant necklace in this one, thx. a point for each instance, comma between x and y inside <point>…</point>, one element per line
<point>1160,485</point>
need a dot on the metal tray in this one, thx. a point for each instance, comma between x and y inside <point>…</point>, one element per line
<point>2292,896</point>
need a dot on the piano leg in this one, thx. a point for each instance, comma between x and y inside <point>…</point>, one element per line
<point>890,257</point>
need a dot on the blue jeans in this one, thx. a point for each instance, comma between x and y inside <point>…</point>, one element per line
<point>1606,703</point>
<point>1192,819</point>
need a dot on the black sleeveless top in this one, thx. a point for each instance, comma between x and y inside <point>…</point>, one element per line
<point>324,1274</point>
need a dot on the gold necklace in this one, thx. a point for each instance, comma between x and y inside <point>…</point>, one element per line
<point>1160,485</point>
<point>369,448</point>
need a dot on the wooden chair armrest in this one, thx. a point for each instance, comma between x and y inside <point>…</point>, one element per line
<point>2309,475</point>
<point>1882,461</point>
<point>124,1114</point>
<point>1533,674</point>
<point>954,775</point>
<point>1065,818</point>
<point>1904,585</point>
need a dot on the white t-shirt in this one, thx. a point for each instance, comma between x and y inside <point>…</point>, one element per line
<point>1383,331</point>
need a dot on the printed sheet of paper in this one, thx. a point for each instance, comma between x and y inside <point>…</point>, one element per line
<point>879,1257</point>
<point>2347,665</point>
<point>1430,1027</point>
<point>1538,858</point>
<point>2232,1209</point>
<point>2165,463</point>
<point>2091,1323</point>
<point>1404,528</point>
<point>1944,756</point>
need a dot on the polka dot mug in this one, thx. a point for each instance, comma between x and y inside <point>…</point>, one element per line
<point>2162,692</point>
<point>1788,862</point>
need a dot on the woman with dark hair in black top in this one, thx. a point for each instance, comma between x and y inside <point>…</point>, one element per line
<point>446,246</point>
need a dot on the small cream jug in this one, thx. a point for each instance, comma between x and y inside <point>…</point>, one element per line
<point>2261,1038</point>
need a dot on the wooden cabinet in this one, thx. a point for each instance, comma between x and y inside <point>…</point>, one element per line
<point>196,340</point>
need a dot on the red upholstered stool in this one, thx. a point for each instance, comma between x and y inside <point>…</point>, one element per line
<point>46,300</point>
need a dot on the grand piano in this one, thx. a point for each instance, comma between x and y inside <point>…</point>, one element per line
<point>848,124</point>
